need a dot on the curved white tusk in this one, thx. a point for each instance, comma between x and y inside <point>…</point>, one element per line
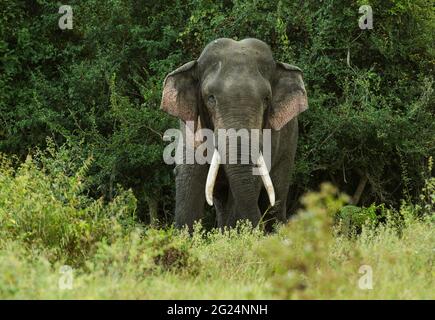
<point>211,176</point>
<point>266,179</point>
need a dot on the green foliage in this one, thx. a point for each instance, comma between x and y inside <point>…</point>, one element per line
<point>306,258</point>
<point>145,252</point>
<point>351,219</point>
<point>370,91</point>
<point>310,261</point>
<point>95,91</point>
<point>46,208</point>
<point>427,196</point>
<point>304,244</point>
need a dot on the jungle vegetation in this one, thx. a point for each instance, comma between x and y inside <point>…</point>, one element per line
<point>82,175</point>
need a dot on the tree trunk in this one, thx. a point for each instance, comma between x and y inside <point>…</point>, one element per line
<point>359,190</point>
<point>153,210</point>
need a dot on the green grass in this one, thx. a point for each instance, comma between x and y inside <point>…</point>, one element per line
<point>230,267</point>
<point>47,222</point>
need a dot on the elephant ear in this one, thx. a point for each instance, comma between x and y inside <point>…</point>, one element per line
<point>289,97</point>
<point>179,97</point>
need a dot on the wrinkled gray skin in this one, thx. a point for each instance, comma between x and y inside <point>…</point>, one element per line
<point>236,84</point>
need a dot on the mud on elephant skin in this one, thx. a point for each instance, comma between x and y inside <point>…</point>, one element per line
<point>236,84</point>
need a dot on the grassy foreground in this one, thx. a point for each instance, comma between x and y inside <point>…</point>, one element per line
<point>57,243</point>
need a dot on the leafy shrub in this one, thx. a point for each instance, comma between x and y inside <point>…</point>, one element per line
<point>426,204</point>
<point>309,259</point>
<point>172,253</point>
<point>143,253</point>
<point>351,219</point>
<point>45,207</point>
<point>303,245</point>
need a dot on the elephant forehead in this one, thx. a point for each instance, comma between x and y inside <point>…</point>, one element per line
<point>245,56</point>
<point>225,49</point>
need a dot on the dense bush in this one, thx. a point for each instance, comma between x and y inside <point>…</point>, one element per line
<point>308,261</point>
<point>370,122</point>
<point>46,208</point>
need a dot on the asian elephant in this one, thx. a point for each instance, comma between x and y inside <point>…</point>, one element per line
<point>236,84</point>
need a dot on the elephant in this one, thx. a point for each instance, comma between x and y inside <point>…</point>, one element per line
<point>236,84</point>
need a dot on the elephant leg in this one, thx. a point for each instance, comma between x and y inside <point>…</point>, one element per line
<point>277,213</point>
<point>281,181</point>
<point>281,175</point>
<point>190,194</point>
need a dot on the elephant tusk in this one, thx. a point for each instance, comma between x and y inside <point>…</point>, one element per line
<point>266,179</point>
<point>211,176</point>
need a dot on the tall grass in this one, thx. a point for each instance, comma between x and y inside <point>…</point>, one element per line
<point>47,221</point>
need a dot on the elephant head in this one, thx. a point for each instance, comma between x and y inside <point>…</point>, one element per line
<point>236,84</point>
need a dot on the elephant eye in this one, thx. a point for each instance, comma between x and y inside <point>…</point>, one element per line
<point>211,100</point>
